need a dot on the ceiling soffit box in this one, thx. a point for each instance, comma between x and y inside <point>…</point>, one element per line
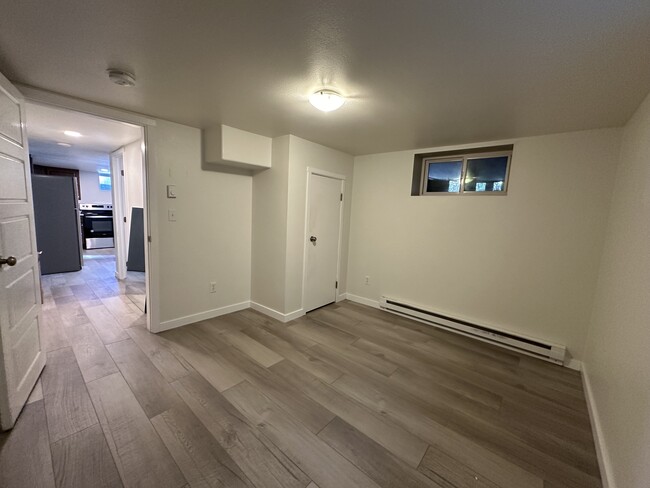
<point>224,145</point>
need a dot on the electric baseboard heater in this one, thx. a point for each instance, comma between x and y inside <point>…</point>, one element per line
<point>547,351</point>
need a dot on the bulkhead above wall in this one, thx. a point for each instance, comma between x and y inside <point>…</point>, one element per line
<point>228,149</point>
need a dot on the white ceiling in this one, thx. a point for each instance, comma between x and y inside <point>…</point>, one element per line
<point>418,73</point>
<point>99,137</point>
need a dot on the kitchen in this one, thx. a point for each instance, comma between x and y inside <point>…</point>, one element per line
<point>73,158</point>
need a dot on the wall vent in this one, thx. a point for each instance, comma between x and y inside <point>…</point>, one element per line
<point>547,351</point>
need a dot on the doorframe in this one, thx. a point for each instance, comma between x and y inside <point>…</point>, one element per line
<point>336,176</point>
<point>119,212</point>
<point>152,254</point>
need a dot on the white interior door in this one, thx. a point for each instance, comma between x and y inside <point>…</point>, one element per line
<point>120,227</point>
<point>22,359</point>
<point>324,203</point>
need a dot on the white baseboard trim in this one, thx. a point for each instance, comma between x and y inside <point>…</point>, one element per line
<point>362,300</point>
<point>288,317</point>
<point>282,317</point>
<point>197,317</point>
<point>341,297</point>
<point>604,462</point>
<point>574,364</point>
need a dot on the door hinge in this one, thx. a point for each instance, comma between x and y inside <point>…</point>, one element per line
<point>337,285</point>
<point>341,196</point>
<point>125,220</point>
<point>122,171</point>
<point>148,238</point>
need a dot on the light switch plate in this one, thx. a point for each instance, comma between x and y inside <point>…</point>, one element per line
<point>171,191</point>
<point>171,215</point>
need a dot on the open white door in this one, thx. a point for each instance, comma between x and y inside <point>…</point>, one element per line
<point>324,206</point>
<point>119,212</point>
<point>22,359</point>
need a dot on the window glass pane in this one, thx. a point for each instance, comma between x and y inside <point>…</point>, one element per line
<point>486,174</point>
<point>104,182</point>
<point>444,176</point>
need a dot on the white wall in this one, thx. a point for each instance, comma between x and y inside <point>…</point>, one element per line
<point>211,238</point>
<point>304,154</point>
<point>133,183</point>
<point>247,234</point>
<point>279,206</point>
<point>526,262</point>
<point>270,195</point>
<point>90,192</point>
<point>617,359</point>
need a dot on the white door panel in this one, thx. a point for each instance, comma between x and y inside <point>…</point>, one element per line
<point>11,126</point>
<point>13,187</point>
<point>121,220</point>
<point>323,233</point>
<point>21,358</point>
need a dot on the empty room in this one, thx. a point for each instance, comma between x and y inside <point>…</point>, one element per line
<point>325,244</point>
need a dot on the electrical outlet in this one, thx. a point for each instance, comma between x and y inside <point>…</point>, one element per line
<point>367,280</point>
<point>171,215</point>
<point>213,287</point>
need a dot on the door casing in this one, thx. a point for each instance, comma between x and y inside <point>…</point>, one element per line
<point>43,97</point>
<point>119,212</point>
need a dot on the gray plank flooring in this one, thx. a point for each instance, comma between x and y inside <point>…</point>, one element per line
<point>67,404</point>
<point>203,461</point>
<point>25,458</point>
<point>347,396</point>
<point>83,459</point>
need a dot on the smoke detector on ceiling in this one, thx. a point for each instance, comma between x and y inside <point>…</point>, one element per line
<point>120,77</point>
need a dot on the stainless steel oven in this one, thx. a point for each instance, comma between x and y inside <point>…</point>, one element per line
<point>97,224</point>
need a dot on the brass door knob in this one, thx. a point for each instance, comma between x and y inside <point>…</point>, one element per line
<point>11,261</point>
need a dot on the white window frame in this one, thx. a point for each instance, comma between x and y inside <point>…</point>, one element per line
<point>426,162</point>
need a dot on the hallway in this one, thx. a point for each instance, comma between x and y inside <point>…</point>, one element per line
<point>94,282</point>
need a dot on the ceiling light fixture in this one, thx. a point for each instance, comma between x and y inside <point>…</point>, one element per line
<point>64,144</point>
<point>326,100</point>
<point>72,133</point>
<point>122,78</point>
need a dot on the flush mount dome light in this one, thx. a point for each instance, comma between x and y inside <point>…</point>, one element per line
<point>122,78</point>
<point>72,133</point>
<point>326,100</point>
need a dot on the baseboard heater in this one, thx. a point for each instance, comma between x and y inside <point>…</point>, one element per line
<point>533,347</point>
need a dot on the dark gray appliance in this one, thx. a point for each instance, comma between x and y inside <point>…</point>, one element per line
<point>97,223</point>
<point>135,262</point>
<point>56,217</point>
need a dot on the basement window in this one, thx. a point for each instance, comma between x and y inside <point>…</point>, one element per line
<point>105,182</point>
<point>480,171</point>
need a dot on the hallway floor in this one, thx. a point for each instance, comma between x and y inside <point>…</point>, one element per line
<point>346,396</point>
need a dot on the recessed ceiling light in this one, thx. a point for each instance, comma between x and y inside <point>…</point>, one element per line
<point>122,78</point>
<point>72,133</point>
<point>64,144</point>
<point>326,100</point>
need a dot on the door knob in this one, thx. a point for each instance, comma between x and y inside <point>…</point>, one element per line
<point>11,261</point>
<point>312,239</point>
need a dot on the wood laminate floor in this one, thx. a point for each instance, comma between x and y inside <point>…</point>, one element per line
<point>346,396</point>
